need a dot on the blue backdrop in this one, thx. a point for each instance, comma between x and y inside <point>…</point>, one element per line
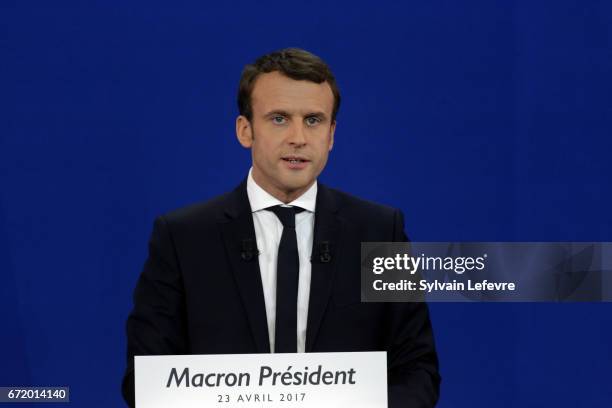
<point>482,120</point>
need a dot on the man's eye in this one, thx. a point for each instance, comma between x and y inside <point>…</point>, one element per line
<point>312,120</point>
<point>279,120</point>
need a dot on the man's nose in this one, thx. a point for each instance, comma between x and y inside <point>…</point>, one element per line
<point>297,135</point>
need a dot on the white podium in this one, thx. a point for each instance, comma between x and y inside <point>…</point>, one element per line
<point>304,380</point>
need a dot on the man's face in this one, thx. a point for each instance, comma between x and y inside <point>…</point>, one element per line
<point>290,134</point>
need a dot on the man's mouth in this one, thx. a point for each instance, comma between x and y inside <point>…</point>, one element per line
<point>295,160</point>
<point>296,163</point>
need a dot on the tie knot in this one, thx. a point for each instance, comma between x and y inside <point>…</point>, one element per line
<point>286,215</point>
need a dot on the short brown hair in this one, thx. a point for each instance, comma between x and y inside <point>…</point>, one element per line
<point>294,63</point>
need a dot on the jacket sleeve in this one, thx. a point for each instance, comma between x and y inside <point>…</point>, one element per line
<point>156,324</point>
<point>413,376</point>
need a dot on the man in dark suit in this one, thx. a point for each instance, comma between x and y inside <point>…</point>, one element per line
<point>274,266</point>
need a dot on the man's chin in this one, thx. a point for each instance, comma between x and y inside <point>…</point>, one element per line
<point>294,184</point>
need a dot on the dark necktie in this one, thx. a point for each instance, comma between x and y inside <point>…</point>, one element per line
<point>287,276</point>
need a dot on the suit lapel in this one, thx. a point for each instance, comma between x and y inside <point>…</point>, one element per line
<point>237,228</point>
<point>327,230</point>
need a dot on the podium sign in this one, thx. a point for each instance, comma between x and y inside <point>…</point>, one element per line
<point>304,380</point>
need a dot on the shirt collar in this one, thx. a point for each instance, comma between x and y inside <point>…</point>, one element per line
<point>260,199</point>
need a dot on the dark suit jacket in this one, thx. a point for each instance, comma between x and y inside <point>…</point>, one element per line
<point>199,294</point>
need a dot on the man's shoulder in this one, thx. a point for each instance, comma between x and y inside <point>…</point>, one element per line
<point>208,211</point>
<point>368,220</point>
<point>352,205</point>
<point>218,208</point>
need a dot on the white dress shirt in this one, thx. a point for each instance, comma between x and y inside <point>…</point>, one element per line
<point>268,231</point>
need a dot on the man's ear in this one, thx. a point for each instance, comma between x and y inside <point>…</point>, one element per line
<point>332,130</point>
<point>244,132</point>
